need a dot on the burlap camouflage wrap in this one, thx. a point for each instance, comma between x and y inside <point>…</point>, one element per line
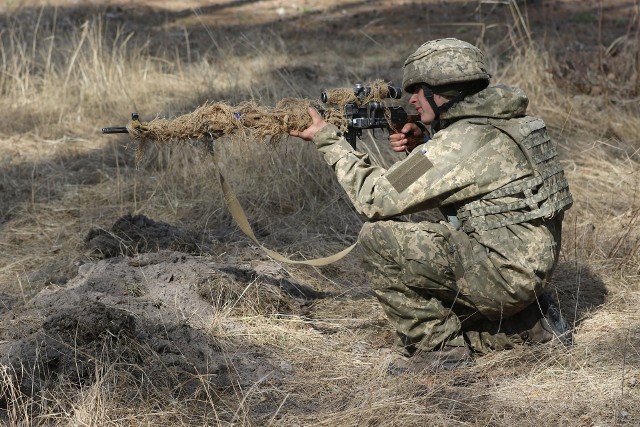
<point>433,280</point>
<point>444,61</point>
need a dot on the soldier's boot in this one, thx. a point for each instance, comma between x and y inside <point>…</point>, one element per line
<point>551,327</point>
<point>451,355</point>
<point>403,345</point>
<point>541,322</point>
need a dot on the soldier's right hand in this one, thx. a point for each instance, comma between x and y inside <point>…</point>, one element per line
<point>407,139</point>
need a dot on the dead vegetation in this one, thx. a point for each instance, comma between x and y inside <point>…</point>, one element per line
<point>285,345</point>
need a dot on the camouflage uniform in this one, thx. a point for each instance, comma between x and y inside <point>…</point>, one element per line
<point>435,280</point>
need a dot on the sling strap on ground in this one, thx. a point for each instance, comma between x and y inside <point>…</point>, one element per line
<point>241,219</point>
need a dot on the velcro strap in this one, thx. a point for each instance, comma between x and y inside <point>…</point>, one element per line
<point>484,223</point>
<point>544,193</point>
<point>409,171</point>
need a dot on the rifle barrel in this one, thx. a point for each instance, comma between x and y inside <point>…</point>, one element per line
<point>116,129</point>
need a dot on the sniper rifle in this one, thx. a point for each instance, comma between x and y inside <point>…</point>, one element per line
<point>359,114</point>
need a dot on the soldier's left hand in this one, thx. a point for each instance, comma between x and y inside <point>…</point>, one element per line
<point>317,123</point>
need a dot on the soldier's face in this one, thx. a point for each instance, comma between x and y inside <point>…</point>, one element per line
<point>418,100</point>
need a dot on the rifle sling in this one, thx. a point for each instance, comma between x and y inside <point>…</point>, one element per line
<point>241,220</point>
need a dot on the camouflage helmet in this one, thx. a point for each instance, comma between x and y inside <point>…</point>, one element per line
<point>444,62</point>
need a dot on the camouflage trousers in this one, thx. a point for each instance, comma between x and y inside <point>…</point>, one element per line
<point>418,275</point>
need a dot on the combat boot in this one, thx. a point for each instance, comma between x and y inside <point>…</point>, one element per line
<point>550,326</point>
<point>446,357</point>
<point>540,322</point>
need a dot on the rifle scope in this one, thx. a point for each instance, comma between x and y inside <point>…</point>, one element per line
<point>361,91</point>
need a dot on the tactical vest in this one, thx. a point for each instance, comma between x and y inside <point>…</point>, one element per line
<point>541,195</point>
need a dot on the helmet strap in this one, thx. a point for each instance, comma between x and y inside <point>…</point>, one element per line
<point>439,109</point>
<point>428,94</point>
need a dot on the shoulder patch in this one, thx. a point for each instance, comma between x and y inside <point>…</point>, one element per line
<point>409,171</point>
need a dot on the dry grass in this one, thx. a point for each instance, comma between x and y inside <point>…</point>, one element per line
<point>59,178</point>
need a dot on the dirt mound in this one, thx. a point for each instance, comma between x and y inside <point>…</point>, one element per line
<point>159,317</point>
<point>130,235</point>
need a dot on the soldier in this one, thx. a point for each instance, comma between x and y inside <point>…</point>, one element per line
<point>475,282</point>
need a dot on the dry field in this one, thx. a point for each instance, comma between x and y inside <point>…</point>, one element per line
<point>129,297</point>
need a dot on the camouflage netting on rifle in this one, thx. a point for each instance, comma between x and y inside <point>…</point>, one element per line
<point>249,120</point>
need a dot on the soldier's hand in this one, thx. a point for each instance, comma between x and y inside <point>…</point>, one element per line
<point>317,123</point>
<point>407,139</point>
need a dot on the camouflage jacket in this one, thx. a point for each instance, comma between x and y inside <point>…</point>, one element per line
<point>463,162</point>
<point>467,161</point>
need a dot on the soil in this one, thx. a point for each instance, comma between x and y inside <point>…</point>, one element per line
<point>147,303</point>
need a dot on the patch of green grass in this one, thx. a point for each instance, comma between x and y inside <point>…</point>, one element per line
<point>584,18</point>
